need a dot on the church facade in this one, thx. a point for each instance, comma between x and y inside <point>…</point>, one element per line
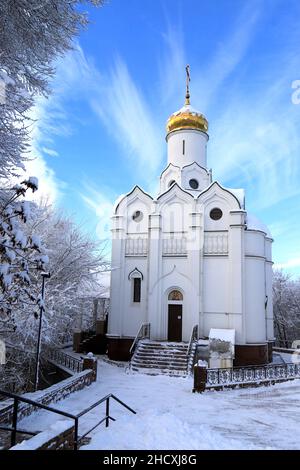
<point>190,255</point>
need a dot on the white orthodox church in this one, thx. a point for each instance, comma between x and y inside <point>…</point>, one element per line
<point>190,255</point>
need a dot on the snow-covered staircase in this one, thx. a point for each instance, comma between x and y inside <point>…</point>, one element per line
<point>154,357</point>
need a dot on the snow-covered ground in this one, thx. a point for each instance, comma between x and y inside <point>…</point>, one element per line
<point>170,416</point>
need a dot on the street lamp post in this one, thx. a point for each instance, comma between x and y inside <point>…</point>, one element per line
<point>37,362</point>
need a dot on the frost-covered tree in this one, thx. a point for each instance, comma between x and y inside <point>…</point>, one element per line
<point>33,33</point>
<point>286,305</point>
<point>75,261</point>
<point>20,255</point>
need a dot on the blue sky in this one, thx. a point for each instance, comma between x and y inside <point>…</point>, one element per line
<point>102,130</point>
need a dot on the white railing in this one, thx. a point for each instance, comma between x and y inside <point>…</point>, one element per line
<point>216,243</point>
<point>174,246</point>
<point>136,247</point>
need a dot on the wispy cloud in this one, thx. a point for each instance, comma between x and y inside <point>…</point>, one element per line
<point>75,77</point>
<point>50,152</point>
<point>101,205</point>
<point>124,110</point>
<point>43,133</point>
<point>227,56</point>
<point>291,263</point>
<point>209,74</point>
<point>172,64</point>
<point>256,143</point>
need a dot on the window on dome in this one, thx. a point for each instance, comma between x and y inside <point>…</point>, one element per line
<point>137,216</point>
<point>215,214</point>
<point>175,295</point>
<point>183,147</point>
<point>194,184</point>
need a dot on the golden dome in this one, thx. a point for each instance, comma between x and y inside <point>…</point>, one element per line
<point>187,117</point>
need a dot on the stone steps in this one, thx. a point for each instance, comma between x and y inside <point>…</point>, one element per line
<point>147,371</point>
<point>153,358</point>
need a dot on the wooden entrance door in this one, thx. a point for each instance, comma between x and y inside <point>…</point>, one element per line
<point>174,322</point>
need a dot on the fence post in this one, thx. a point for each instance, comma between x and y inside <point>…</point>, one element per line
<point>90,362</point>
<point>76,434</point>
<point>77,338</point>
<point>107,413</point>
<point>14,423</point>
<point>200,378</point>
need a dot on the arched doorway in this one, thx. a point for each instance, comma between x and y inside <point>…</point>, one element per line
<point>175,301</point>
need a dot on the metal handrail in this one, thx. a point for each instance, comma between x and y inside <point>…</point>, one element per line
<point>15,430</point>
<point>193,337</point>
<point>143,332</point>
<point>66,360</point>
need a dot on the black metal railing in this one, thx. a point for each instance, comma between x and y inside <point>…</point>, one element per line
<point>107,416</point>
<point>252,374</point>
<point>60,357</point>
<point>193,338</point>
<point>190,356</point>
<point>14,429</point>
<point>144,332</point>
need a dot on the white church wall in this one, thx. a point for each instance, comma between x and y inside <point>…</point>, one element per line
<point>268,249</point>
<point>255,317</point>
<point>118,241</point>
<point>269,288</point>
<point>169,175</point>
<point>133,313</point>
<point>254,243</point>
<point>216,202</point>
<point>114,318</point>
<point>176,275</point>
<point>174,218</point>
<point>194,147</point>
<point>194,172</point>
<point>215,292</point>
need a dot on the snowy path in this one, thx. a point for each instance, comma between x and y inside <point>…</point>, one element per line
<point>170,416</point>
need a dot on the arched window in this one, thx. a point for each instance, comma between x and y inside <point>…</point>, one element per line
<point>136,278</point>
<point>175,295</point>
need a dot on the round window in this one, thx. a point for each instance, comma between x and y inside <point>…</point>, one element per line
<point>216,213</point>
<point>137,216</point>
<point>171,182</point>
<point>194,184</point>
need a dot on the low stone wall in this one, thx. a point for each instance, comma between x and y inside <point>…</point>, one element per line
<point>53,394</point>
<point>287,350</point>
<point>60,436</point>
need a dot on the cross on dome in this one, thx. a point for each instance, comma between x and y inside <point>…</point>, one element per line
<point>187,117</point>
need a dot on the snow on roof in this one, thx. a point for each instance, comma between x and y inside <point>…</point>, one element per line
<point>224,334</point>
<point>187,108</point>
<point>239,193</point>
<point>253,223</point>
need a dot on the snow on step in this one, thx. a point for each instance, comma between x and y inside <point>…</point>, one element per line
<point>153,358</point>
